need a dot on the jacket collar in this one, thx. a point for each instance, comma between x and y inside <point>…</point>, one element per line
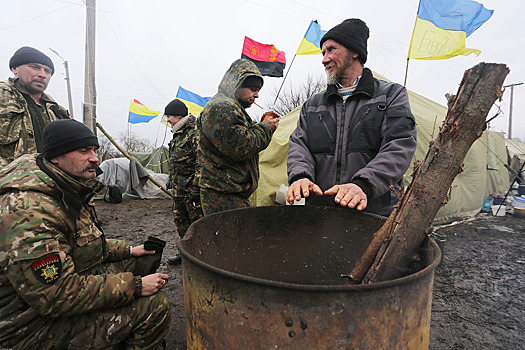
<point>75,193</point>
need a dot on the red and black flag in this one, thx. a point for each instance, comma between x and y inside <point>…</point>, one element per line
<point>267,58</point>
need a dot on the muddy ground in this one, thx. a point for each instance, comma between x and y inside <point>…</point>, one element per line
<point>479,287</point>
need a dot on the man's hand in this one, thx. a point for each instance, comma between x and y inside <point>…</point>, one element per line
<point>273,123</point>
<point>139,251</point>
<point>152,283</point>
<point>349,195</point>
<point>302,188</point>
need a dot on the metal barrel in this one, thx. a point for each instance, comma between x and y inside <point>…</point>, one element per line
<point>269,277</point>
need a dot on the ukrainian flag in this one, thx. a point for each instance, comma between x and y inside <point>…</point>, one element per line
<point>138,113</point>
<point>311,44</point>
<point>442,27</point>
<point>194,102</point>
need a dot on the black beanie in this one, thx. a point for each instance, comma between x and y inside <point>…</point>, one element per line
<point>351,33</point>
<point>176,108</point>
<point>66,135</point>
<point>253,81</point>
<point>28,54</point>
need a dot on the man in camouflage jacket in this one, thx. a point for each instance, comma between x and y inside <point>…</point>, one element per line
<point>230,141</point>
<point>183,163</point>
<point>63,283</point>
<point>24,107</point>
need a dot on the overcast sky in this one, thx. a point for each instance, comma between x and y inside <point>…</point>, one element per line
<point>145,50</point>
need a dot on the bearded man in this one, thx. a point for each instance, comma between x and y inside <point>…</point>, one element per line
<point>355,139</point>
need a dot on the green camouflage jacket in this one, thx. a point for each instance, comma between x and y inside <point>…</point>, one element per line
<point>183,157</point>
<point>229,140</point>
<point>47,257</point>
<point>16,128</point>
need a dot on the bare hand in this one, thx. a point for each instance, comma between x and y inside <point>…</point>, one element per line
<point>302,188</point>
<point>273,123</point>
<point>349,195</point>
<point>152,283</point>
<point>139,251</point>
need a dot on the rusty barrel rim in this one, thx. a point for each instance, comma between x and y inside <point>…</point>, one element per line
<point>313,287</point>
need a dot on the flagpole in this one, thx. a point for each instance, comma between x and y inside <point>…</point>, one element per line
<point>288,71</point>
<point>406,73</point>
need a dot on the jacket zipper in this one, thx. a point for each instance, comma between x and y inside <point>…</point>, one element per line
<point>326,128</point>
<point>357,124</point>
<point>340,150</point>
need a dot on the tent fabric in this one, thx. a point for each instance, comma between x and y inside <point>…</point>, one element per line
<point>156,160</point>
<point>515,156</point>
<point>483,173</point>
<point>131,179</point>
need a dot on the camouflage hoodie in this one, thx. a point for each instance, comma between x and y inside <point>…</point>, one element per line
<point>183,157</point>
<point>229,140</point>
<point>48,258</point>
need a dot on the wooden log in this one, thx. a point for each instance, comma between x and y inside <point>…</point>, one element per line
<point>396,244</point>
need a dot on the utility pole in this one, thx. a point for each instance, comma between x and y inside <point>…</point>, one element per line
<point>509,136</point>
<point>90,93</point>
<point>68,83</point>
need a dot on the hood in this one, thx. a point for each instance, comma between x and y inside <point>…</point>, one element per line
<point>235,75</point>
<point>23,174</point>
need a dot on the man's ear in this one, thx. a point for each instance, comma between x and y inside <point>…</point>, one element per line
<point>54,160</point>
<point>15,71</point>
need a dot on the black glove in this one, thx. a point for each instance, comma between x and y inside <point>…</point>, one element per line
<point>155,244</point>
<point>195,195</point>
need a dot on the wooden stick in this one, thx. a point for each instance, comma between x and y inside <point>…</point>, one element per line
<point>129,157</point>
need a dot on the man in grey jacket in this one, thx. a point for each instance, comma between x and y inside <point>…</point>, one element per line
<point>355,139</point>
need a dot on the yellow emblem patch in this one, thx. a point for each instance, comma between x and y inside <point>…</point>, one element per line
<point>47,269</point>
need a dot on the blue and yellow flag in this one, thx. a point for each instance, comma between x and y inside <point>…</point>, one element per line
<point>311,44</point>
<point>138,113</point>
<point>442,26</point>
<point>194,102</point>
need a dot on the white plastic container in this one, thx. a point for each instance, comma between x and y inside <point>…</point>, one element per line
<point>497,211</point>
<point>518,202</point>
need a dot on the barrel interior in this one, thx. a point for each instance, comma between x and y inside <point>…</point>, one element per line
<point>292,244</point>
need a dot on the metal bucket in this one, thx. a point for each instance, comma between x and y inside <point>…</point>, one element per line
<point>269,277</point>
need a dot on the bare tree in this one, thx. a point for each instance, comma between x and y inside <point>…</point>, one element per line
<point>133,143</point>
<point>106,149</point>
<point>292,97</point>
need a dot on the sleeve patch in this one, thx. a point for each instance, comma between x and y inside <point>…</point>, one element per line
<point>47,269</point>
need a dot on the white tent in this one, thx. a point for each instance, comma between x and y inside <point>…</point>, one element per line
<point>132,179</point>
<point>483,173</point>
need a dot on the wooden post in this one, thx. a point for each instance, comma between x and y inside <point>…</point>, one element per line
<point>129,157</point>
<point>90,92</point>
<point>395,246</point>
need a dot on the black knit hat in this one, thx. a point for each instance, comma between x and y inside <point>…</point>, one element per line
<point>28,54</point>
<point>351,33</point>
<point>253,81</point>
<point>66,135</point>
<point>176,108</point>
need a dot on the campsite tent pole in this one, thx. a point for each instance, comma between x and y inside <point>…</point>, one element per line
<point>129,157</point>
<point>288,71</point>
<point>406,73</point>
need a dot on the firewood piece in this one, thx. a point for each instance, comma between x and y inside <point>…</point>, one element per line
<point>397,242</point>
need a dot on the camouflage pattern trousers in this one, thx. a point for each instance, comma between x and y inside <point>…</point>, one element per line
<point>185,213</point>
<point>213,201</point>
<point>141,325</point>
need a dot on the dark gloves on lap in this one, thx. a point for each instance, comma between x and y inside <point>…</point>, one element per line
<point>195,195</point>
